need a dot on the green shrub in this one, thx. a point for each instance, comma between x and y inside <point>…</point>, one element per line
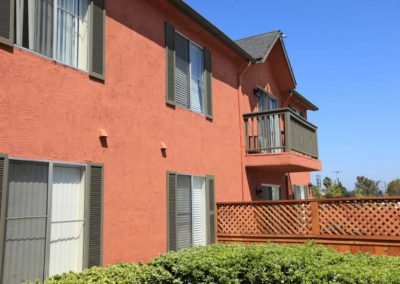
<point>247,264</point>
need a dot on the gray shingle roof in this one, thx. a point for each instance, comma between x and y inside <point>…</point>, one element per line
<point>259,45</point>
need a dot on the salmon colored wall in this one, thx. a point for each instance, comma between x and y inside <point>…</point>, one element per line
<point>266,76</point>
<point>53,112</point>
<point>50,111</point>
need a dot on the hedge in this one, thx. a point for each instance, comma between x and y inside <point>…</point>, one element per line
<point>268,263</point>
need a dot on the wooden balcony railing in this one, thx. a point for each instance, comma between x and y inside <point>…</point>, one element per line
<point>345,223</point>
<point>280,130</point>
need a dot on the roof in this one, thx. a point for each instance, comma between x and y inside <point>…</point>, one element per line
<point>306,102</point>
<point>203,22</point>
<point>259,46</point>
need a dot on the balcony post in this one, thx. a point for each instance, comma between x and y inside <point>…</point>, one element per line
<point>287,132</point>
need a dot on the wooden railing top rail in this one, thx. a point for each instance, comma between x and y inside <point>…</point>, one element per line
<point>319,200</point>
<point>280,111</point>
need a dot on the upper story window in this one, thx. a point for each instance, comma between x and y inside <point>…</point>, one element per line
<point>188,73</point>
<point>69,31</point>
<point>55,28</point>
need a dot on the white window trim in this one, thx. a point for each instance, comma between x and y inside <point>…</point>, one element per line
<point>191,197</point>
<point>53,57</point>
<point>51,164</point>
<point>273,186</point>
<point>190,75</point>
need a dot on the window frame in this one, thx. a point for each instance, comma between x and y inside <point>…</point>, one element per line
<point>268,185</point>
<point>53,58</point>
<point>51,164</point>
<point>192,176</point>
<point>305,190</point>
<point>268,96</point>
<point>203,113</point>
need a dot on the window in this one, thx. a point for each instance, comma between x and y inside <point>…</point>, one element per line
<point>189,68</point>
<point>301,192</point>
<point>188,73</point>
<point>45,221</point>
<point>55,28</point>
<point>190,211</point>
<point>271,192</point>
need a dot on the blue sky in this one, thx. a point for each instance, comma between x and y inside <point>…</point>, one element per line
<point>346,59</point>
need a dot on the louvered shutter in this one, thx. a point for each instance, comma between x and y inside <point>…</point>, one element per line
<point>95,206</point>
<point>211,209</point>
<point>7,22</point>
<point>183,212</point>
<point>97,39</point>
<point>171,210</point>
<point>182,84</point>
<point>170,62</point>
<point>3,200</point>
<point>208,83</point>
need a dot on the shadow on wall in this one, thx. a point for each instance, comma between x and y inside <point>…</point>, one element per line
<point>148,19</point>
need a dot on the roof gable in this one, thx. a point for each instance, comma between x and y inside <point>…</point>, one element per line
<point>259,46</point>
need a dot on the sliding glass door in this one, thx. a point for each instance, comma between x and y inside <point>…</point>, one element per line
<point>44,230</point>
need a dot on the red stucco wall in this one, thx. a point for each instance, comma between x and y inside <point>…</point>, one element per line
<point>53,112</point>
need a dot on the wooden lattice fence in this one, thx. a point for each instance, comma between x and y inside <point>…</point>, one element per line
<point>347,224</point>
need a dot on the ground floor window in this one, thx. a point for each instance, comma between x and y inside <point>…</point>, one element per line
<point>271,192</point>
<point>191,218</point>
<point>301,192</point>
<point>46,219</point>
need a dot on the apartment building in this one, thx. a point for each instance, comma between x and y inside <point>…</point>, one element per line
<point>123,122</point>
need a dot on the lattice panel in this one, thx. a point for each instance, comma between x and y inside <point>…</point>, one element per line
<point>264,218</point>
<point>360,218</point>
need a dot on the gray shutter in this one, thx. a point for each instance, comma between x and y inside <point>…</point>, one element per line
<point>170,63</point>
<point>208,83</point>
<point>3,202</point>
<point>95,219</point>
<point>171,211</point>
<point>211,208</point>
<point>7,22</point>
<point>97,39</point>
<point>182,79</point>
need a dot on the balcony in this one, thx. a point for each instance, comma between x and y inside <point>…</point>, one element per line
<point>281,140</point>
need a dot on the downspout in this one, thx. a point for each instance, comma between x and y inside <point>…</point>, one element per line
<point>242,150</point>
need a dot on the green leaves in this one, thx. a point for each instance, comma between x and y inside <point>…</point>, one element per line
<point>237,263</point>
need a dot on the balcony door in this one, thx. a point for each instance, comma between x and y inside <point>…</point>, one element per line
<point>269,132</point>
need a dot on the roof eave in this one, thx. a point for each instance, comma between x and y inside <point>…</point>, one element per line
<point>203,22</point>
<point>306,102</point>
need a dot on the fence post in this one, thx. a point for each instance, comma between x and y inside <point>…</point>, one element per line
<point>314,218</point>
